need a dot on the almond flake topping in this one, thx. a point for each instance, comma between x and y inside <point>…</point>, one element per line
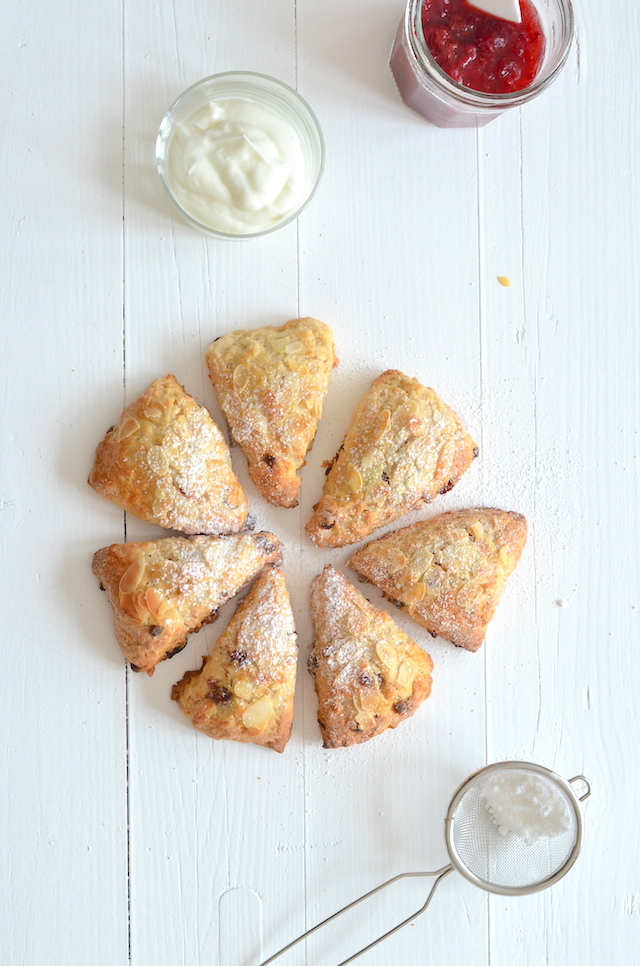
<point>240,377</point>
<point>132,576</point>
<point>128,428</point>
<point>257,715</point>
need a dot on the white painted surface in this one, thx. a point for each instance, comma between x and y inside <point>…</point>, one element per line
<point>126,836</point>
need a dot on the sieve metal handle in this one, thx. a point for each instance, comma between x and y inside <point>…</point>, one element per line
<point>581,778</point>
<point>440,873</point>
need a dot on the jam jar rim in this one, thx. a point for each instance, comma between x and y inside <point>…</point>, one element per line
<point>473,98</point>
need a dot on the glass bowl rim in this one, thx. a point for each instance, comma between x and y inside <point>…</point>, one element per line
<point>300,108</point>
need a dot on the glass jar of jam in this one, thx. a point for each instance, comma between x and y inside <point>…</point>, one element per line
<point>459,67</point>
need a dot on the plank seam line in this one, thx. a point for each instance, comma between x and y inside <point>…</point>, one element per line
<point>127,735</point>
<point>298,313</point>
<point>479,206</point>
<point>535,376</point>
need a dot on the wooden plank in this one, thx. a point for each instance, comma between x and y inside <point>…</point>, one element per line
<point>63,753</point>
<point>556,693</point>
<point>391,261</point>
<point>210,820</point>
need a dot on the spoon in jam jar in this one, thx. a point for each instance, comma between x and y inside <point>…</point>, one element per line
<point>502,9</point>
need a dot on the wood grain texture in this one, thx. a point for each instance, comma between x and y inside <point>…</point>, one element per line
<point>63,816</point>
<point>127,837</point>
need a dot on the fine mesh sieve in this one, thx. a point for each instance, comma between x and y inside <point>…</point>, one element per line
<point>512,828</point>
<point>503,862</point>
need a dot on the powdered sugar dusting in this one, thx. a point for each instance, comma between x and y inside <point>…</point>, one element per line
<point>449,571</point>
<point>194,477</point>
<point>204,571</point>
<point>404,446</point>
<point>369,675</point>
<point>271,383</point>
<point>167,462</point>
<point>265,625</point>
<point>245,689</point>
<point>332,602</point>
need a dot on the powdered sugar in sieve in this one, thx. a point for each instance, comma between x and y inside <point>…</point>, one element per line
<point>514,828</point>
<point>527,805</point>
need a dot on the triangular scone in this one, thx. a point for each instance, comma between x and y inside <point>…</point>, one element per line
<point>447,572</point>
<point>369,675</point>
<point>271,385</point>
<point>405,445</point>
<point>244,690</point>
<point>166,461</point>
<point>162,590</point>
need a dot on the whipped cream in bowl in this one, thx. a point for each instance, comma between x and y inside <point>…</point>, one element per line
<point>240,154</point>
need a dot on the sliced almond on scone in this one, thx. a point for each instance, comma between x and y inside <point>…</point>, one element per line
<point>162,590</point>
<point>369,675</point>
<point>271,384</point>
<point>244,690</point>
<point>167,462</point>
<point>448,572</point>
<point>404,446</point>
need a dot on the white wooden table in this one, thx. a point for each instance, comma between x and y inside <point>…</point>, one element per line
<point>127,837</point>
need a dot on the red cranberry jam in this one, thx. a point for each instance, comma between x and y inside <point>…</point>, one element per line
<point>480,51</point>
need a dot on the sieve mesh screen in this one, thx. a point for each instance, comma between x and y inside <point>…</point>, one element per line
<point>505,860</point>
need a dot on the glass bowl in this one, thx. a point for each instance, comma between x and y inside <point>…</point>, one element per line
<point>210,154</point>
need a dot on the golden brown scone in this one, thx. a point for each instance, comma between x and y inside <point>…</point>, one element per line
<point>244,691</point>
<point>271,384</point>
<point>369,675</point>
<point>162,590</point>
<point>447,572</point>
<point>405,445</point>
<point>166,461</point>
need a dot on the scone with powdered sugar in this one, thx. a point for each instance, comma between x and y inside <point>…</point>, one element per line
<point>244,690</point>
<point>404,447</point>
<point>369,675</point>
<point>167,462</point>
<point>449,572</point>
<point>162,590</point>
<point>271,384</point>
